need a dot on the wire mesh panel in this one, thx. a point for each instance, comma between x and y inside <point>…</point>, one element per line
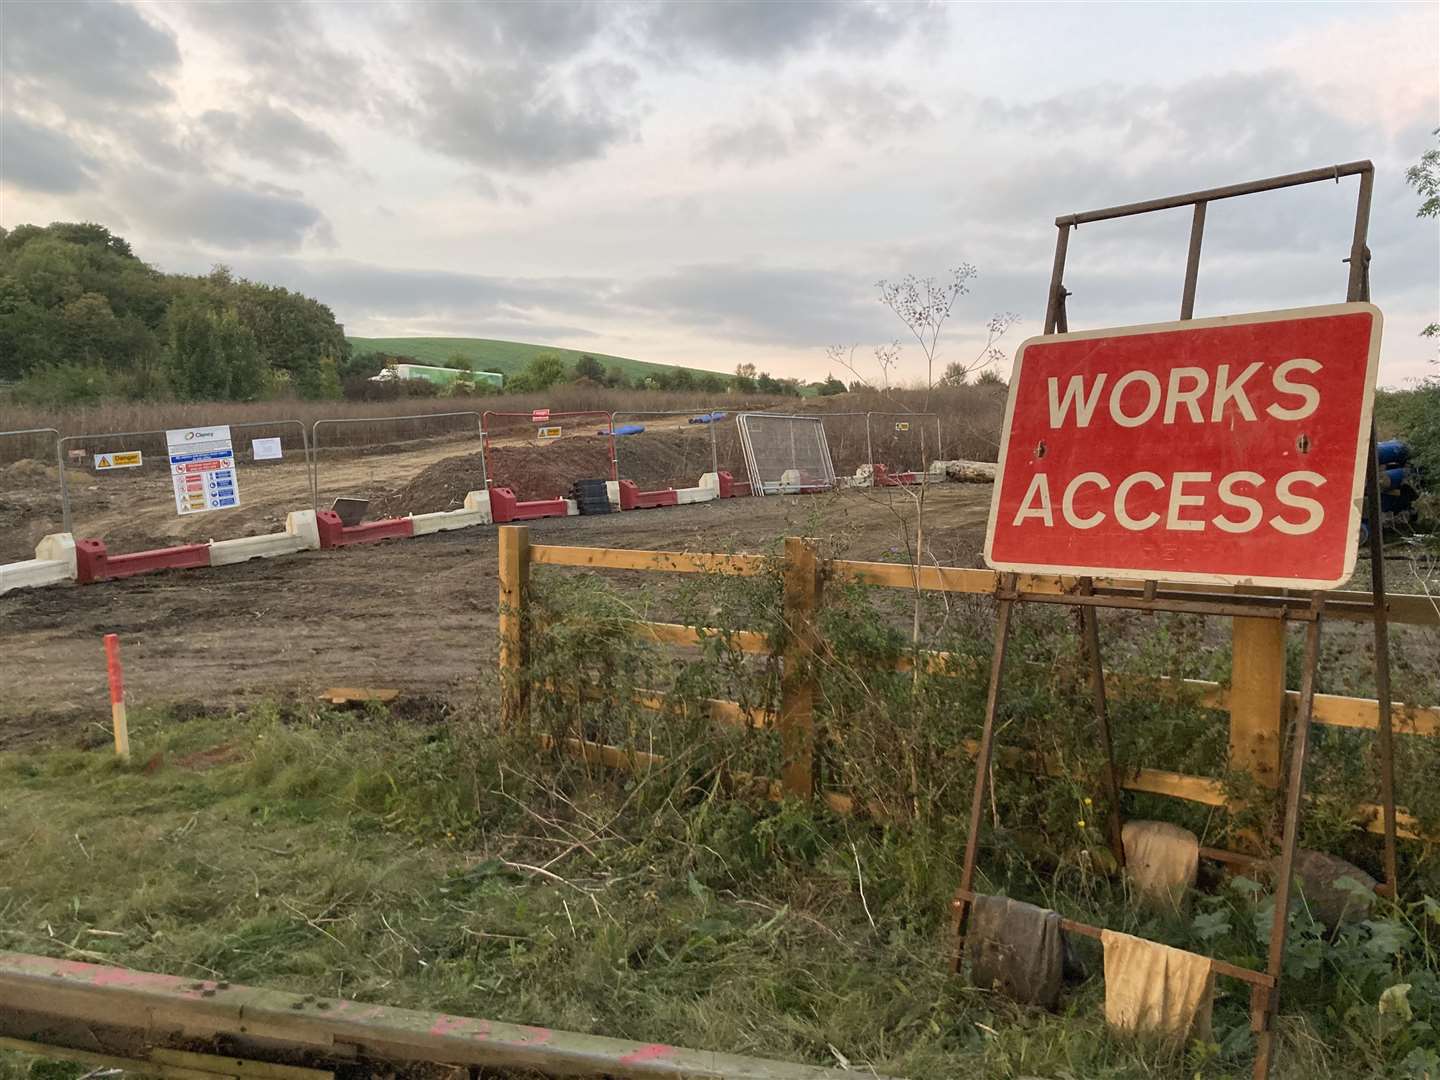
<point>399,464</point>
<point>848,440</point>
<point>29,490</point>
<point>666,449</point>
<point>540,454</point>
<point>121,487</point>
<point>904,442</point>
<point>785,453</point>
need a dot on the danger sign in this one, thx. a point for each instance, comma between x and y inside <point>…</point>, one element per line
<point>1228,450</point>
<point>126,459</point>
<point>540,416</point>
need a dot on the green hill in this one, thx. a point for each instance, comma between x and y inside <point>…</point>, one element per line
<point>506,357</point>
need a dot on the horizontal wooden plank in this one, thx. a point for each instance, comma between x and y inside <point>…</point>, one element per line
<point>679,634</point>
<point>679,562</point>
<point>902,576</point>
<point>1353,712</point>
<point>1403,608</point>
<point>144,1011</point>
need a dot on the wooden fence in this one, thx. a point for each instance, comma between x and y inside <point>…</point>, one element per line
<point>1257,699</point>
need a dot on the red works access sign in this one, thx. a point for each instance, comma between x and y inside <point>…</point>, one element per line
<point>1228,450</point>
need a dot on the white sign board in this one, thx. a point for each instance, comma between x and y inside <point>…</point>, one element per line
<point>126,459</point>
<point>265,449</point>
<point>546,433</point>
<point>202,468</point>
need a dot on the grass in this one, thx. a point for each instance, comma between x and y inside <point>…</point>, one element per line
<point>506,357</point>
<point>391,861</point>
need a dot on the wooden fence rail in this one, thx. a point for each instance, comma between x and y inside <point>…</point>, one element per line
<point>1257,700</point>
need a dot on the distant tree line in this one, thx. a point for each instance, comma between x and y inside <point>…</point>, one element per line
<point>547,370</point>
<point>82,319</point>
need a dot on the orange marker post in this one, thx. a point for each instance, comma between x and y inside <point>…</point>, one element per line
<point>117,696</point>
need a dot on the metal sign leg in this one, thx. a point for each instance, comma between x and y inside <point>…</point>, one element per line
<point>1382,665</point>
<point>982,767</point>
<point>1090,641</point>
<point>1266,1005</point>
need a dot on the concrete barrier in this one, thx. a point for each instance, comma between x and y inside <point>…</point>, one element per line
<point>476,511</point>
<point>334,533</point>
<point>93,563</point>
<point>885,478</point>
<point>302,533</point>
<point>504,506</point>
<point>54,562</point>
<point>632,498</point>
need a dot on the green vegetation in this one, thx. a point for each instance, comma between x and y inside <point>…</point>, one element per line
<point>507,357</point>
<point>532,368</point>
<point>423,859</point>
<point>83,320</point>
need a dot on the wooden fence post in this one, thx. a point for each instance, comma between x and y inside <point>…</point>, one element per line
<point>1257,698</point>
<point>797,684</point>
<point>514,630</point>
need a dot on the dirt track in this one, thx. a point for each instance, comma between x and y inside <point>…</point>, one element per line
<point>416,614</point>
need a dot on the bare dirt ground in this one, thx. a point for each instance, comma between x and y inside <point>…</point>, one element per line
<point>419,614</point>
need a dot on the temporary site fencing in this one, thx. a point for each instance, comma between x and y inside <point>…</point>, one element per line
<point>49,481</point>
<point>785,453</point>
<point>666,449</point>
<point>350,453</point>
<point>120,485</point>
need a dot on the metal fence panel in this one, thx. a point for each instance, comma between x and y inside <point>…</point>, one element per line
<point>903,442</point>
<point>30,503</point>
<point>574,445</point>
<point>785,453</point>
<point>401,465</point>
<point>132,507</point>
<point>848,439</point>
<point>674,450</point>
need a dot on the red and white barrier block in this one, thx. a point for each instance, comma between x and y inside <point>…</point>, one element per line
<point>476,511</point>
<point>302,533</point>
<point>54,562</point>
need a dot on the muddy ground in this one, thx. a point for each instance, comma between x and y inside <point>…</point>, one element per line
<point>418,614</point>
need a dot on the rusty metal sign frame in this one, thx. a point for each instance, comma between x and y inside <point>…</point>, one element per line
<point>1264,986</point>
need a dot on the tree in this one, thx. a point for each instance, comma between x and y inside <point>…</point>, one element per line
<point>212,354</point>
<point>991,377</point>
<point>1424,177</point>
<point>830,387</point>
<point>587,367</point>
<point>544,371</point>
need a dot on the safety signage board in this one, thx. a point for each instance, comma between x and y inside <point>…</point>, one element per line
<point>540,416</point>
<point>1227,450</point>
<point>127,459</point>
<point>902,425</point>
<point>548,433</point>
<point>202,469</point>
<point>266,449</point>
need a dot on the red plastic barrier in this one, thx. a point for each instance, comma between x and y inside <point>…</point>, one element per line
<point>334,534</point>
<point>727,485</point>
<point>883,478</point>
<point>93,563</point>
<point>632,498</point>
<point>504,506</point>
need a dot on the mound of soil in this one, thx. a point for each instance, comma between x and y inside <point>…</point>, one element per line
<point>547,471</point>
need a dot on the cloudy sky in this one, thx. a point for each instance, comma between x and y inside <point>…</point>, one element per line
<point>713,183</point>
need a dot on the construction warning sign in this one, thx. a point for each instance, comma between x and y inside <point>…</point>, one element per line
<point>902,425</point>
<point>1227,450</point>
<point>127,459</point>
<point>546,433</point>
<point>202,469</point>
